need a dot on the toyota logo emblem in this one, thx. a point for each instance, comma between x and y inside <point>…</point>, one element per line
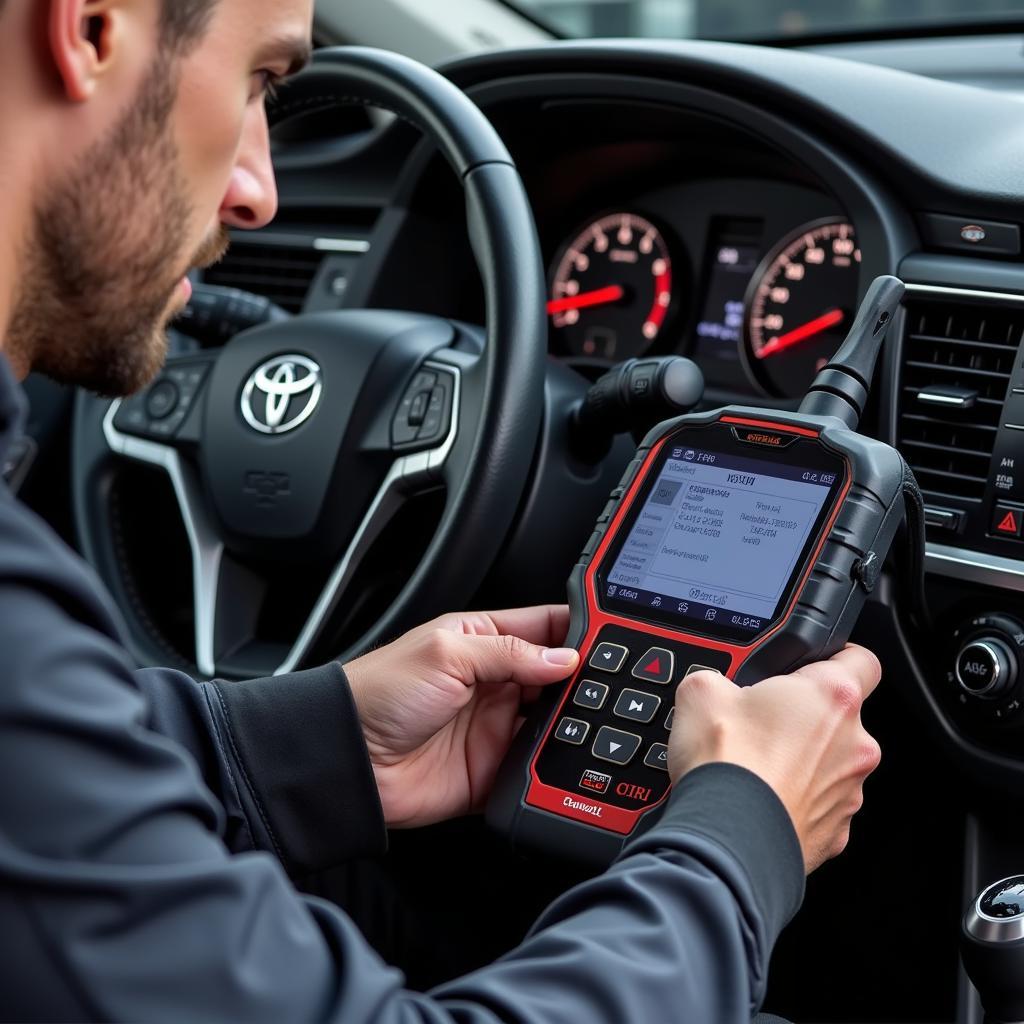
<point>282,394</point>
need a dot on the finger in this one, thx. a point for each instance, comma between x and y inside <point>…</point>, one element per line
<point>546,625</point>
<point>853,662</point>
<point>700,687</point>
<point>500,659</point>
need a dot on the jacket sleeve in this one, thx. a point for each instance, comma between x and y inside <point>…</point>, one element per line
<point>122,902</point>
<point>285,758</point>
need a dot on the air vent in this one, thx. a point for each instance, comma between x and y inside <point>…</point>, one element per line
<point>281,273</point>
<point>957,362</point>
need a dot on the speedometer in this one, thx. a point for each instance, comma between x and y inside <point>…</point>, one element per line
<point>611,290</point>
<point>800,305</point>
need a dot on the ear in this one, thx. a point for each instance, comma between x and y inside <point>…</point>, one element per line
<point>82,38</point>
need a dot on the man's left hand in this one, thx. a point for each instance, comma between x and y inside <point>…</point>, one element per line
<point>440,706</point>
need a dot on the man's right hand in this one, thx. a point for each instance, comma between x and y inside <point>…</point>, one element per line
<point>800,733</point>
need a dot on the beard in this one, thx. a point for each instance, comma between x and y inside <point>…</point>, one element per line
<point>105,255</point>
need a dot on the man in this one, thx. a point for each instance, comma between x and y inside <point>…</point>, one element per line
<point>146,820</point>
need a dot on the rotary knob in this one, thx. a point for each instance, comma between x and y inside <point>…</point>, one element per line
<point>986,667</point>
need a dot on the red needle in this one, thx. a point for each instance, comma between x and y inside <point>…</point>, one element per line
<point>798,334</point>
<point>600,297</point>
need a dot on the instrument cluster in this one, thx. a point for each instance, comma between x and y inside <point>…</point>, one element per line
<point>760,312</point>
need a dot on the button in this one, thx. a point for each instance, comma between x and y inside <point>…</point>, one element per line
<point>423,381</point>
<point>1007,521</point>
<point>572,730</point>
<point>609,657</point>
<point>591,695</point>
<point>418,409</point>
<point>162,399</point>
<point>670,719</point>
<point>595,782</point>
<point>701,668</point>
<point>637,706</point>
<point>966,234</point>
<point>615,746</point>
<point>657,757</point>
<point>656,666</point>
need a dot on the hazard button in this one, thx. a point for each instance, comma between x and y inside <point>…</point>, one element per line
<point>1008,521</point>
<point>656,666</point>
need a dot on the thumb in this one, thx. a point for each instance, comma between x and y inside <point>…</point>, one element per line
<point>498,659</point>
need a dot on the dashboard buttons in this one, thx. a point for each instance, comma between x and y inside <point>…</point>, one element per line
<point>572,730</point>
<point>591,695</point>
<point>700,668</point>
<point>656,666</point>
<point>609,657</point>
<point>966,234</point>
<point>1007,521</point>
<point>657,757</point>
<point>670,719</point>
<point>615,746</point>
<point>637,706</point>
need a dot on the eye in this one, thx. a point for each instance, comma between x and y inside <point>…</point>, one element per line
<point>266,84</point>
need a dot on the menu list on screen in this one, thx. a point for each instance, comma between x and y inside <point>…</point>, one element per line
<point>718,539</point>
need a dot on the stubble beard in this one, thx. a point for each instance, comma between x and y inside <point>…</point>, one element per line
<point>104,257</point>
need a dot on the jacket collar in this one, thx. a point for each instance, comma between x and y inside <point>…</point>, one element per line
<point>13,411</point>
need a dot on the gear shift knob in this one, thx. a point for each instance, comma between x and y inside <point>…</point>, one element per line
<point>992,947</point>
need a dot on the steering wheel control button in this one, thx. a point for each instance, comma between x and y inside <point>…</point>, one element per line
<point>637,706</point>
<point>572,730</point>
<point>609,657</point>
<point>162,400</point>
<point>424,415</point>
<point>615,746</point>
<point>985,668</point>
<point>656,666</point>
<point>657,757</point>
<point>591,695</point>
<point>595,782</point>
<point>1007,521</point>
<point>158,412</point>
<point>671,718</point>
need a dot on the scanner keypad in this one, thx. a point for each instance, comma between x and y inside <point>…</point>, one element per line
<point>617,717</point>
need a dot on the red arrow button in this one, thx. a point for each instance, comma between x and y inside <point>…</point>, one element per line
<point>654,667</point>
<point>1007,521</point>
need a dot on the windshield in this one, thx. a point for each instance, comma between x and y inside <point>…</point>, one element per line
<point>765,20</point>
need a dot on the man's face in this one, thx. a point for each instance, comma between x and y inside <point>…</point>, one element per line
<point>113,236</point>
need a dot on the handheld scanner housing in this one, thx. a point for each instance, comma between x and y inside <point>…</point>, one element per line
<point>736,541</point>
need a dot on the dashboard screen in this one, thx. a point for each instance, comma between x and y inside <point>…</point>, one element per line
<point>719,539</point>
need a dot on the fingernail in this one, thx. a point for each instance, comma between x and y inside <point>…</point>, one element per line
<point>564,657</point>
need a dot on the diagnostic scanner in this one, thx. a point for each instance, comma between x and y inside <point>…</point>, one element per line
<point>740,540</point>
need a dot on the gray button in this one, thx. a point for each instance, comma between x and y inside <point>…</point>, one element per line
<point>591,695</point>
<point>637,706</point>
<point>572,730</point>
<point>657,757</point>
<point>615,746</point>
<point>609,657</point>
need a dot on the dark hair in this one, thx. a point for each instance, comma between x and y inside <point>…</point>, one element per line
<point>182,22</point>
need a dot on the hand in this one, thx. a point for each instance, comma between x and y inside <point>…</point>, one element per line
<point>439,707</point>
<point>801,733</point>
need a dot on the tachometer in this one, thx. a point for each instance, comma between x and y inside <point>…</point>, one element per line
<point>611,291</point>
<point>800,304</point>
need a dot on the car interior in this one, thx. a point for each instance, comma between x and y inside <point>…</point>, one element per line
<point>725,199</point>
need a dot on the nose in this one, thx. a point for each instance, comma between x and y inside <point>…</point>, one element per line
<point>251,198</point>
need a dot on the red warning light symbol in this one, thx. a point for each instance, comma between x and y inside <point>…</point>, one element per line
<point>1009,524</point>
<point>654,667</point>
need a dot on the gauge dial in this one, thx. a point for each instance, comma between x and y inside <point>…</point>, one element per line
<point>611,291</point>
<point>800,304</point>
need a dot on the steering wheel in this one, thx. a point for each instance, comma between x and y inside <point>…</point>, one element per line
<point>298,443</point>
